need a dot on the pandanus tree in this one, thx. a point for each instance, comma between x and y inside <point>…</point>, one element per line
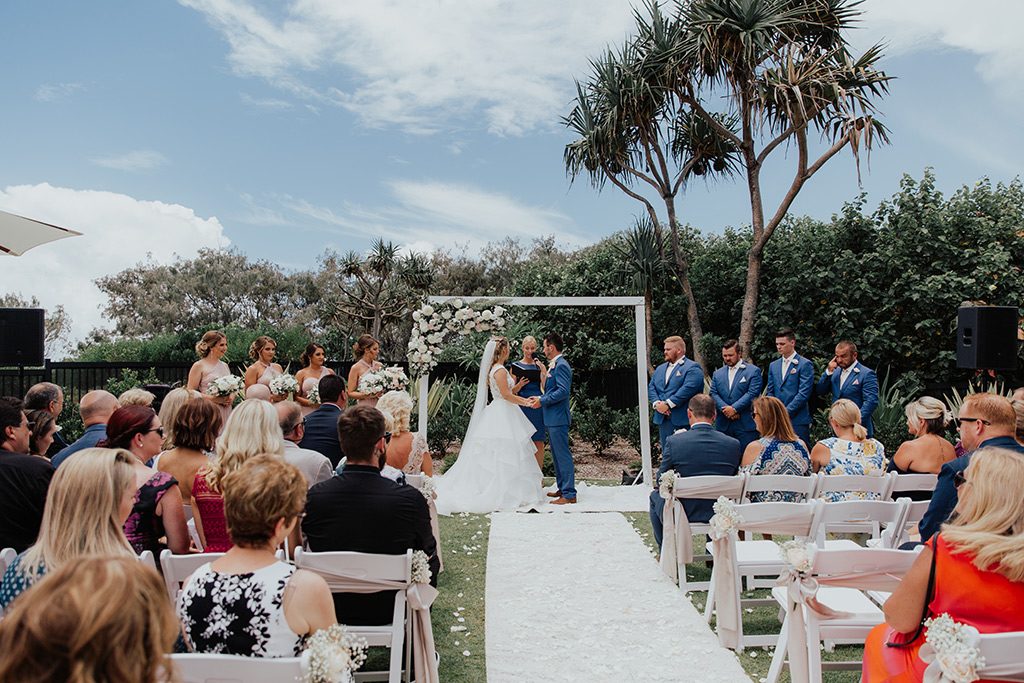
<point>642,265</point>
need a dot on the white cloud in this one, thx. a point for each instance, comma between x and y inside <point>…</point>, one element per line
<point>988,29</point>
<point>118,232</point>
<point>136,160</point>
<point>418,65</point>
<point>265,102</point>
<point>52,92</point>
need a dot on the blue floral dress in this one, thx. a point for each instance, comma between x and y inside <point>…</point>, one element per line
<point>853,457</point>
<point>779,457</point>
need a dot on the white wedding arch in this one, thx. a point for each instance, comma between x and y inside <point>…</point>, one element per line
<point>638,305</point>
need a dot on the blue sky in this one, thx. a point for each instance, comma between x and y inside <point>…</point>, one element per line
<point>285,128</point>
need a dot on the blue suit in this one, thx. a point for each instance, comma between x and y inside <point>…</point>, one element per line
<point>861,387</point>
<point>686,381</point>
<point>945,498</point>
<point>322,433</point>
<point>794,390</point>
<point>555,405</point>
<point>93,435</point>
<point>698,451</point>
<point>746,386</point>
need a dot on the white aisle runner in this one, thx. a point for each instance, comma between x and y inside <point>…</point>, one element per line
<point>579,598</point>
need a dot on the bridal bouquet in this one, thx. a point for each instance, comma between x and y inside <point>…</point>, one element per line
<point>332,654</point>
<point>226,385</point>
<point>283,385</point>
<point>380,381</point>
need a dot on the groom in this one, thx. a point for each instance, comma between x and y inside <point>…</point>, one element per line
<point>555,403</point>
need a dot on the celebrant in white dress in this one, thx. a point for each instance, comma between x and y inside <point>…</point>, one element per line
<point>496,468</point>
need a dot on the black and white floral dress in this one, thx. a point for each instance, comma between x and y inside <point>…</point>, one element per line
<point>238,614</point>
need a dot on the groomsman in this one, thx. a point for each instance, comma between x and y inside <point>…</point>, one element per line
<point>854,381</point>
<point>734,386</point>
<point>791,379</point>
<point>674,382</point>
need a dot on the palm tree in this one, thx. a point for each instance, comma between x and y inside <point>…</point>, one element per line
<point>642,265</point>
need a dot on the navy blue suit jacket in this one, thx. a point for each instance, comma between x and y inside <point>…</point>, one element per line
<point>687,380</point>
<point>794,389</point>
<point>699,451</point>
<point>746,386</point>
<point>554,402</point>
<point>322,433</point>
<point>944,499</point>
<point>861,387</point>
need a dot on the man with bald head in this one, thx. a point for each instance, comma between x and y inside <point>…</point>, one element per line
<point>96,407</point>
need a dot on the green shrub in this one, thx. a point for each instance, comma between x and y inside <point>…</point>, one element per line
<point>449,424</point>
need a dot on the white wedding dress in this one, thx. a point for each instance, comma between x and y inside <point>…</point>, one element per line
<point>496,468</point>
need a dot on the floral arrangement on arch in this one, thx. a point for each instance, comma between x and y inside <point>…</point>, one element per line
<point>430,325</point>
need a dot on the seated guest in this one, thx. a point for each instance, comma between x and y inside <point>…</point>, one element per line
<point>928,451</point>
<point>24,479</point>
<point>49,397</point>
<point>44,427</point>
<point>96,407</point>
<point>701,450</point>
<point>322,424</point>
<point>985,421</point>
<point>361,511</point>
<point>778,451</point>
<point>1018,410</point>
<point>157,507</point>
<point>196,426</point>
<point>136,396</point>
<point>974,568</point>
<point>314,467</point>
<point>170,406</point>
<point>407,451</point>
<point>97,619</point>
<point>850,451</point>
<point>252,429</point>
<point>90,498</point>
<point>248,602</point>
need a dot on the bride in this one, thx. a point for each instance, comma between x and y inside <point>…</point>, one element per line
<point>496,468</point>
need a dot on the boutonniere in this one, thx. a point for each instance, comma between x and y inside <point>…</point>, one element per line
<point>743,366</point>
<point>857,370</point>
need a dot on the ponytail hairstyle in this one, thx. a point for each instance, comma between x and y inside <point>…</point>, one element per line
<point>209,340</point>
<point>258,345</point>
<point>306,359</point>
<point>845,413</point>
<point>362,345</point>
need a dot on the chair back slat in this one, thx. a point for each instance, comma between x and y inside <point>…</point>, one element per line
<point>710,487</point>
<point>216,668</point>
<point>7,556</point>
<point>177,569</point>
<point>914,482</point>
<point>854,514</point>
<point>862,561</point>
<point>375,565</point>
<point>796,519</point>
<point>788,483</point>
<point>861,483</point>
<point>1002,656</point>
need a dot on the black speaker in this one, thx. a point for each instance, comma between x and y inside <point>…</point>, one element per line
<point>986,337</point>
<point>21,336</point>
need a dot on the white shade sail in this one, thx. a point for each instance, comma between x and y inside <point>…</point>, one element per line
<point>19,234</point>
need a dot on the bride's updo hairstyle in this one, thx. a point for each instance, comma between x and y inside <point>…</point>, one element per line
<point>258,345</point>
<point>932,412</point>
<point>307,356</point>
<point>362,345</point>
<point>501,350</point>
<point>209,340</point>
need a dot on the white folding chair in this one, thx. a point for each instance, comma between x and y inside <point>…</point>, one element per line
<point>759,558</point>
<point>848,570</point>
<point>193,533</point>
<point>913,482</point>
<point>859,514</point>
<point>706,487</point>
<point>1003,661</point>
<point>785,483</point>
<point>205,668</point>
<point>414,480</point>
<point>146,558</point>
<point>7,556</point>
<point>387,567</point>
<point>177,569</point>
<point>878,484</point>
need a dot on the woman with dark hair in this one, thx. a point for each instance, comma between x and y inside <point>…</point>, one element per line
<point>259,375</point>
<point>366,349</point>
<point>44,427</point>
<point>313,370</point>
<point>196,426</point>
<point>157,507</point>
<point>210,349</point>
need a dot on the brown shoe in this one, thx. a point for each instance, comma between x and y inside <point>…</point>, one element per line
<point>563,501</point>
<point>554,494</point>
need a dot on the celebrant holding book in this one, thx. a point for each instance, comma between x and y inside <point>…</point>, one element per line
<point>530,374</point>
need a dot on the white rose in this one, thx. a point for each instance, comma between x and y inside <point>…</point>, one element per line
<point>428,310</point>
<point>457,303</point>
<point>486,315</point>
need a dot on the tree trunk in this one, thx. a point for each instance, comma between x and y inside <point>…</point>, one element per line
<point>750,297</point>
<point>683,275</point>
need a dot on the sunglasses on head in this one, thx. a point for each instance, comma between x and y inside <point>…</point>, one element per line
<point>959,479</point>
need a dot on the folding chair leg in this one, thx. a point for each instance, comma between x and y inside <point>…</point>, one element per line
<point>709,605</point>
<point>813,653</point>
<point>779,658</point>
<point>395,670</point>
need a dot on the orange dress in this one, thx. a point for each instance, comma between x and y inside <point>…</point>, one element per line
<point>985,600</point>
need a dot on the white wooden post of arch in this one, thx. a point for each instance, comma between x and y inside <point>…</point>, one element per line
<point>637,302</point>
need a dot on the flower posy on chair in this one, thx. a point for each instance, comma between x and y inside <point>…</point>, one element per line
<point>332,654</point>
<point>951,651</point>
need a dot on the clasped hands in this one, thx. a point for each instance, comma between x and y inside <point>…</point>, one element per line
<point>662,407</point>
<point>534,401</point>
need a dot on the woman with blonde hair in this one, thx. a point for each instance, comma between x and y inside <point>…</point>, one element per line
<point>532,374</point>
<point>263,370</point>
<point>850,451</point>
<point>407,451</point>
<point>100,619</point>
<point>974,566</point>
<point>170,406</point>
<point>366,349</point>
<point>778,451</point>
<point>928,451</point>
<point>252,429</point>
<point>89,500</point>
<point>136,396</point>
<point>211,348</point>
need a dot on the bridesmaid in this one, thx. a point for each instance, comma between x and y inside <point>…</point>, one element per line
<point>528,388</point>
<point>313,370</point>
<point>259,374</point>
<point>366,349</point>
<point>211,348</point>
